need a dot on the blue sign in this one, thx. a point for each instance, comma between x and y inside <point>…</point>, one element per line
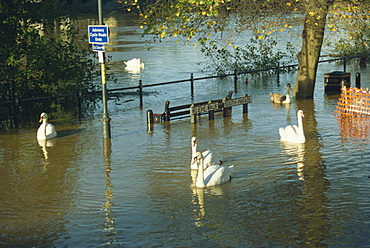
<point>98,47</point>
<point>98,34</point>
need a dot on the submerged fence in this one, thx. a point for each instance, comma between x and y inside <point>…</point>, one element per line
<point>14,103</point>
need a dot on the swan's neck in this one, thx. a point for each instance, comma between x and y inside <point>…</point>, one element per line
<point>193,149</point>
<point>300,123</point>
<point>44,122</point>
<point>193,152</point>
<point>301,137</point>
<point>200,177</point>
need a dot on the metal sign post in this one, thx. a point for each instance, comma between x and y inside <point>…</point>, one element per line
<point>98,36</point>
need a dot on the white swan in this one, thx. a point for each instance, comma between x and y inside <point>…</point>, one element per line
<point>280,98</point>
<point>46,130</point>
<point>213,175</point>
<point>293,133</point>
<point>135,63</point>
<point>209,156</point>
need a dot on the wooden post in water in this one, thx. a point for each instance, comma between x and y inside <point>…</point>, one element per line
<point>193,117</point>
<point>211,113</point>
<point>245,105</point>
<point>192,85</point>
<point>166,116</point>
<point>141,93</point>
<point>150,120</point>
<point>235,81</point>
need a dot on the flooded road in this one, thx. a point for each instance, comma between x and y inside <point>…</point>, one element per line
<point>134,190</point>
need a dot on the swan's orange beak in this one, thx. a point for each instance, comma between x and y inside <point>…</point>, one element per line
<point>40,119</point>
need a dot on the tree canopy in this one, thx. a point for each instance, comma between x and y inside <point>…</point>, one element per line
<point>39,53</point>
<point>202,19</point>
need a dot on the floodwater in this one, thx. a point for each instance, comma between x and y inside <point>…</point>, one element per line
<point>134,190</point>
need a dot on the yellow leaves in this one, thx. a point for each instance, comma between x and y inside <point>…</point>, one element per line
<point>163,34</point>
<point>331,27</point>
<point>281,29</point>
<point>311,13</point>
<point>261,37</point>
<point>289,4</point>
<point>235,47</point>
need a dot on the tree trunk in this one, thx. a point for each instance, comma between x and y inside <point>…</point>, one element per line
<point>308,57</point>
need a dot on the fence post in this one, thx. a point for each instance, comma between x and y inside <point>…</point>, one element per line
<point>235,80</point>
<point>193,117</point>
<point>245,106</point>
<point>226,111</point>
<point>358,80</point>
<point>211,113</point>
<point>79,102</point>
<point>150,120</point>
<point>166,116</point>
<point>192,85</point>
<point>141,93</point>
<point>16,110</point>
<point>344,64</point>
<point>278,73</point>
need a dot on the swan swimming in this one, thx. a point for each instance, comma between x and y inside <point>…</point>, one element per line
<point>280,98</point>
<point>135,63</point>
<point>46,130</point>
<point>213,175</point>
<point>209,156</point>
<point>293,133</point>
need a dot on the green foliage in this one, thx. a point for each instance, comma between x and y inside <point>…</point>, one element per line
<point>40,56</point>
<point>355,39</point>
<point>256,55</point>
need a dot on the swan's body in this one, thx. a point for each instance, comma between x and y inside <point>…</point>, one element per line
<point>46,130</point>
<point>280,98</point>
<point>134,63</point>
<point>213,175</point>
<point>209,157</point>
<point>293,133</point>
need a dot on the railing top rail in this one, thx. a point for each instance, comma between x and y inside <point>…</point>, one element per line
<point>176,81</point>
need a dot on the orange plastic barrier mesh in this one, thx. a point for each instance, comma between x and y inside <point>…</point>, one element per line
<point>353,102</point>
<point>354,127</point>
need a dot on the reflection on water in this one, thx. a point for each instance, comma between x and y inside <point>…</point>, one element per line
<point>354,127</point>
<point>296,151</point>
<point>45,146</point>
<point>109,235</point>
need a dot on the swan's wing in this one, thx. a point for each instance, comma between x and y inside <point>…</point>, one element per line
<point>288,133</point>
<point>210,170</point>
<point>277,98</point>
<point>218,177</point>
<point>50,131</point>
<point>210,158</point>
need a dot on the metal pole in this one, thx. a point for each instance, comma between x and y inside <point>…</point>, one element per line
<point>105,117</point>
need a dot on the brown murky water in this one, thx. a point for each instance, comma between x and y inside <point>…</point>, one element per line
<point>134,190</point>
